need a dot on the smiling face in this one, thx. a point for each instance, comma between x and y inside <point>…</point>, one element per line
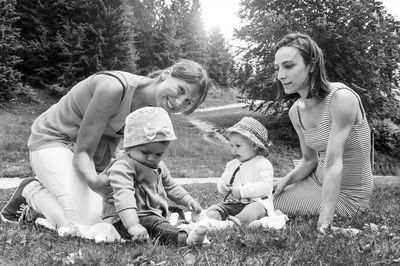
<point>241,147</point>
<point>176,95</point>
<point>293,73</point>
<point>149,154</point>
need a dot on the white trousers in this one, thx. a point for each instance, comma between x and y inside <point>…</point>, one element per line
<point>53,168</point>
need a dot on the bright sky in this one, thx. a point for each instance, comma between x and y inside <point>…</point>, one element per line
<point>222,13</point>
<point>393,7</point>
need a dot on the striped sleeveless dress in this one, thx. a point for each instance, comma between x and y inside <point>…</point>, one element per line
<point>305,196</point>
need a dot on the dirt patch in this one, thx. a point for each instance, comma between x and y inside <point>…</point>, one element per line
<point>387,180</point>
<point>210,132</point>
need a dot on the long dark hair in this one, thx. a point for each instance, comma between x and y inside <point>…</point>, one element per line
<point>312,56</point>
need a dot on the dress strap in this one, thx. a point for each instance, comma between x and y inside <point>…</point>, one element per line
<point>339,87</point>
<point>294,113</point>
<point>118,78</point>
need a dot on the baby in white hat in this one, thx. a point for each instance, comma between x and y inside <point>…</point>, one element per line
<point>247,180</point>
<point>141,183</point>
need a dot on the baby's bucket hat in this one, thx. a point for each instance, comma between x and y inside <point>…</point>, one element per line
<point>146,125</point>
<point>252,130</point>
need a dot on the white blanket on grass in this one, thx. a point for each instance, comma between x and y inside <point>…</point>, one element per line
<point>275,220</point>
<point>100,232</point>
<point>106,233</point>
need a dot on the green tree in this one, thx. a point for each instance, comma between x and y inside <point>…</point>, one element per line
<point>175,31</point>
<point>166,32</point>
<point>170,32</point>
<point>359,39</point>
<point>10,78</point>
<point>194,35</point>
<point>220,61</point>
<point>65,41</point>
<point>149,38</point>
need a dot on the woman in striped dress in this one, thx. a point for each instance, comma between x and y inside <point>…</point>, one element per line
<point>334,174</point>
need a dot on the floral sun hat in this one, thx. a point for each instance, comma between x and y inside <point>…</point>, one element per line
<point>252,130</point>
<point>146,125</point>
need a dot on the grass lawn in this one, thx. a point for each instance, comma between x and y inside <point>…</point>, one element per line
<point>195,155</point>
<point>299,244</point>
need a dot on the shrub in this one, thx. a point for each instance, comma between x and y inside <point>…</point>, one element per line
<point>387,136</point>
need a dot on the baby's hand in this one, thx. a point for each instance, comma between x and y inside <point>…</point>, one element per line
<point>225,188</point>
<point>235,192</point>
<point>138,233</point>
<point>194,206</point>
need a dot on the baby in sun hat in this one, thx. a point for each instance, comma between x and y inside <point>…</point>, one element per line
<point>141,183</point>
<point>247,181</point>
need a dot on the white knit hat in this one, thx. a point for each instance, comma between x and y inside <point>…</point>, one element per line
<point>146,125</point>
<point>252,130</point>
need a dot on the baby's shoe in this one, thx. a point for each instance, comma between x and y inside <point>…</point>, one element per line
<point>198,235</point>
<point>274,222</point>
<point>17,209</point>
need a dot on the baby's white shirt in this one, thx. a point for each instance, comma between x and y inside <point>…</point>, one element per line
<point>254,179</point>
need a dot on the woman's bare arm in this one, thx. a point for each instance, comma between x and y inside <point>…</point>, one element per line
<point>306,165</point>
<point>107,93</point>
<point>344,109</point>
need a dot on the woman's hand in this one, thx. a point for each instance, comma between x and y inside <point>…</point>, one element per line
<point>100,184</point>
<point>138,233</point>
<point>323,227</point>
<point>279,186</point>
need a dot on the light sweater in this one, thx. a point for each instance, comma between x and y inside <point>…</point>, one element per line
<point>254,179</point>
<point>136,186</point>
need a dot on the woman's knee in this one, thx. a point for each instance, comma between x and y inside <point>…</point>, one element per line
<point>53,168</point>
<point>39,198</point>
